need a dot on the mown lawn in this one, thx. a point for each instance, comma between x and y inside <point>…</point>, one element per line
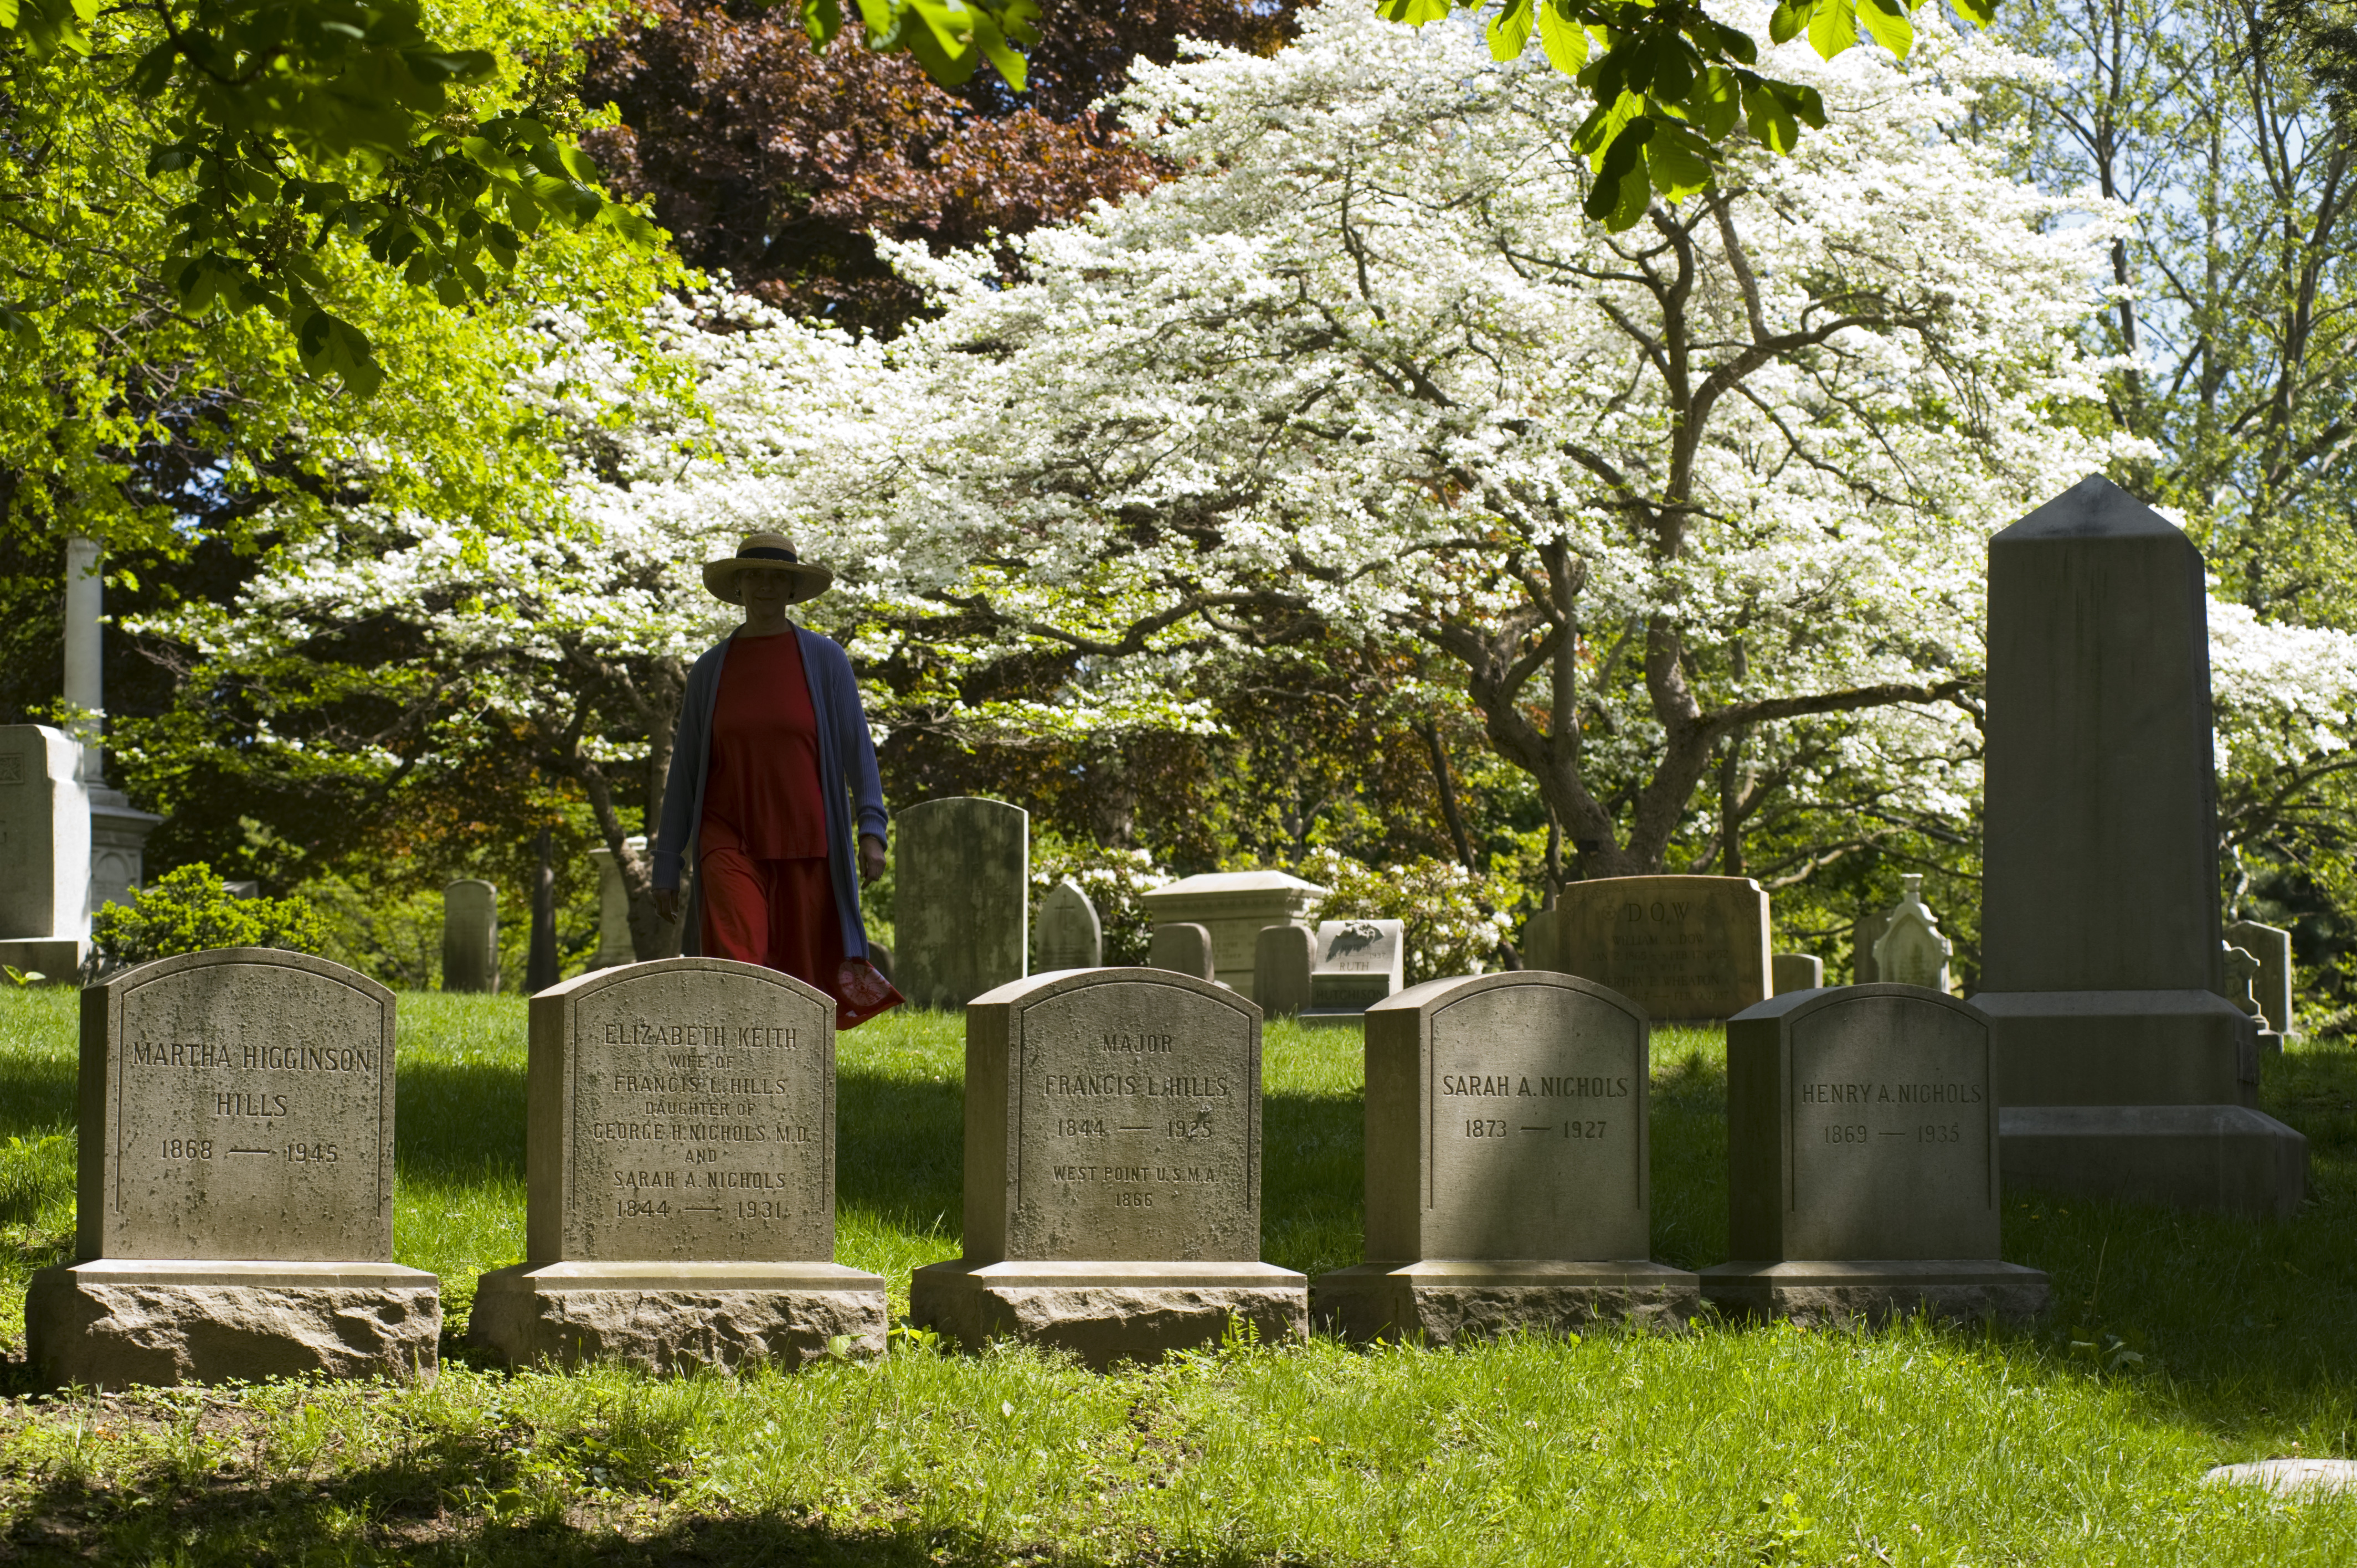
<point>2178,1343</point>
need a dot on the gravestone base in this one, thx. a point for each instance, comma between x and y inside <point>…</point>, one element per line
<point>678,1316</point>
<point>57,960</point>
<point>115,1322</point>
<point>2224,1157</point>
<point>2270,1047</point>
<point>2077,1048</point>
<point>1817,1294</point>
<point>1350,1019</point>
<point>1439,1301</point>
<point>1108,1311</point>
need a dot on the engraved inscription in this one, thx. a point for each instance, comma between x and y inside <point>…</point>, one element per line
<point>12,767</point>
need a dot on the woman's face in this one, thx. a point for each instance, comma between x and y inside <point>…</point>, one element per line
<point>766,593</point>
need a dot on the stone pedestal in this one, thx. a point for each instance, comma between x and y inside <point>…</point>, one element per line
<point>2099,912</point>
<point>116,1322</point>
<point>677,1317</point>
<point>118,845</point>
<point>44,852</point>
<point>1438,1301</point>
<point>1831,1294</point>
<point>1110,1311</point>
<point>1233,905</point>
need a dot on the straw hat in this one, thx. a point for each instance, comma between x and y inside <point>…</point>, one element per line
<point>766,553</point>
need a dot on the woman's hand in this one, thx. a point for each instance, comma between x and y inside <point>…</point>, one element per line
<point>667,904</point>
<point>871,857</point>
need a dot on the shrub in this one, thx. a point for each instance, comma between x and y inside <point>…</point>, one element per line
<point>190,910</point>
<point>1444,909</point>
<point>1112,878</point>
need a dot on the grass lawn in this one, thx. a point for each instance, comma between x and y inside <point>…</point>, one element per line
<point>2177,1343</point>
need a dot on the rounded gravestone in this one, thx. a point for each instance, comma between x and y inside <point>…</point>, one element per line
<point>961,899</point>
<point>470,936</point>
<point>1070,935</point>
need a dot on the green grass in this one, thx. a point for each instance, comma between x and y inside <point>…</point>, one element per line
<point>2179,1342</point>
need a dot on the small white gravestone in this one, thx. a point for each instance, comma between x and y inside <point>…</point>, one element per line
<point>2271,945</point>
<point>44,852</point>
<point>470,936</point>
<point>1356,963</point>
<point>1070,935</point>
<point>2243,973</point>
<point>1911,951</point>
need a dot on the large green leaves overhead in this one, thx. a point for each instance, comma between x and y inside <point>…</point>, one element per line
<point>1670,84</point>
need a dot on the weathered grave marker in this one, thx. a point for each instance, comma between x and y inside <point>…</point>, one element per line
<point>615,944</point>
<point>1862,1160</point>
<point>1506,1165</point>
<point>1679,947</point>
<point>1282,960</point>
<point>1863,935</point>
<point>1070,935</point>
<point>2242,971</point>
<point>44,852</point>
<point>680,1149</point>
<point>1797,972</point>
<point>962,876</point>
<point>1357,965</point>
<point>2271,945</point>
<point>1182,948</point>
<point>234,1192</point>
<point>2125,1074</point>
<point>1111,1170</point>
<point>1542,949</point>
<point>1911,951</point>
<point>470,936</point>
<point>1233,905</point>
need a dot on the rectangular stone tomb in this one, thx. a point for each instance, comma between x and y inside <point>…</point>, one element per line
<point>234,1192</point>
<point>679,1153</point>
<point>1679,947</point>
<point>1506,1165</point>
<point>1862,1161</point>
<point>1111,1171</point>
<point>1355,964</point>
<point>1233,905</point>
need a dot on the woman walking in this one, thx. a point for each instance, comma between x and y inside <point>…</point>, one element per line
<point>770,761</point>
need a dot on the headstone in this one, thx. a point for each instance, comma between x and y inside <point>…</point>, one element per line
<point>1183,949</point>
<point>44,852</point>
<point>470,936</point>
<point>247,888</point>
<point>1070,935</point>
<point>234,1199</point>
<point>1282,958</point>
<point>2241,970</point>
<point>614,944</point>
<point>1862,1161</point>
<point>1357,965</point>
<point>1234,907</point>
<point>1506,1165</point>
<point>962,880</point>
<point>1682,948</point>
<point>1863,935</point>
<point>880,956</point>
<point>1911,951</point>
<point>679,1152</point>
<point>2271,945</point>
<point>1111,1171</point>
<point>1797,972</point>
<point>2126,1075</point>
<point>1540,948</point>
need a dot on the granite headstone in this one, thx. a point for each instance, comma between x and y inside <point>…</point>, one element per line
<point>1234,907</point>
<point>2125,1074</point>
<point>679,1153</point>
<point>470,936</point>
<point>44,852</point>
<point>1281,964</point>
<point>2271,945</point>
<point>1797,972</point>
<point>962,901</point>
<point>1911,949</point>
<point>1070,935</point>
<point>1680,947</point>
<point>1862,1161</point>
<point>1355,964</point>
<point>1111,1171</point>
<point>1182,948</point>
<point>1506,1165</point>
<point>234,1191</point>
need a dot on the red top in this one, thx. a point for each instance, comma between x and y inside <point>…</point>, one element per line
<point>763,782</point>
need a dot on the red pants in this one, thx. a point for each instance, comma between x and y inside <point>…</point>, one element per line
<point>781,915</point>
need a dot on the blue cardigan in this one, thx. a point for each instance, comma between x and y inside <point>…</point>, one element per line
<point>842,745</point>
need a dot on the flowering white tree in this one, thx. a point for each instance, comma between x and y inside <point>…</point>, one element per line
<point>1368,362</point>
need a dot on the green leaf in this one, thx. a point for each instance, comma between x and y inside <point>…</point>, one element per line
<point>822,19</point>
<point>1886,23</point>
<point>1769,120</point>
<point>1790,17</point>
<point>1674,69</point>
<point>1979,13</point>
<point>1679,162</point>
<point>1415,12</point>
<point>1560,34</point>
<point>8,14</point>
<point>1738,43</point>
<point>1509,30</point>
<point>1805,103</point>
<point>1716,102</point>
<point>1834,27</point>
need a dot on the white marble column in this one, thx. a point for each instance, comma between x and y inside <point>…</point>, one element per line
<point>118,833</point>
